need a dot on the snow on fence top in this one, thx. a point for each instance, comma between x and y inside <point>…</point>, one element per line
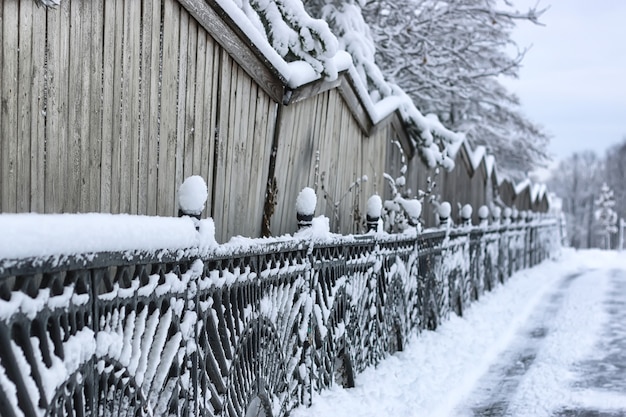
<point>30,235</point>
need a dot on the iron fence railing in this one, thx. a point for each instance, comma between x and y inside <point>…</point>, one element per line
<point>229,333</point>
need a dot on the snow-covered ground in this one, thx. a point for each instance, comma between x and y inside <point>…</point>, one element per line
<point>551,342</point>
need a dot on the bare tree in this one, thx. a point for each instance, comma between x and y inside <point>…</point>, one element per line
<point>577,181</point>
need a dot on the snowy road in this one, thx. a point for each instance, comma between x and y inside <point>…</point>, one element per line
<point>551,342</point>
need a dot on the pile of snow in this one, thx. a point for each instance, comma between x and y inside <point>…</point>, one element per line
<point>319,230</point>
<point>45,235</point>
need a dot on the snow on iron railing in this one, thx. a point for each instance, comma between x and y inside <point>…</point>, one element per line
<point>254,324</point>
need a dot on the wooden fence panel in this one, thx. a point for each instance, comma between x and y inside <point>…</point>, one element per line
<point>373,164</point>
<point>25,69</point>
<point>37,111</point>
<point>95,39</point>
<point>169,96</point>
<point>76,103</point>
<point>220,203</point>
<point>109,105</point>
<point>207,107</point>
<point>243,137</point>
<point>9,107</point>
<point>295,160</point>
<point>324,126</point>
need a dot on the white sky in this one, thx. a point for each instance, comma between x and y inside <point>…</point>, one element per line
<point>573,80</point>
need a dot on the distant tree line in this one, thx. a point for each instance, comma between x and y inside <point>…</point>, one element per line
<point>580,182</point>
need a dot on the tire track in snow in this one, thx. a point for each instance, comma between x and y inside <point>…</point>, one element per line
<point>497,386</point>
<point>601,378</point>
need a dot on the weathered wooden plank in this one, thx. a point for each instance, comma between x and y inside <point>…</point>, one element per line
<point>64,137</point>
<point>132,49</point>
<point>58,173</point>
<point>125,134</point>
<point>191,145</point>
<point>9,108</point>
<point>234,136</point>
<point>210,114</point>
<point>24,92</point>
<point>118,92</point>
<point>283,151</point>
<point>328,156</point>
<point>144,128</point>
<point>221,177</point>
<point>302,157</point>
<point>203,134</point>
<point>51,130</point>
<point>263,134</point>
<point>292,173</point>
<point>108,107</point>
<point>318,133</point>
<point>3,138</point>
<point>239,222</point>
<point>251,152</point>
<point>199,106</point>
<point>94,41</point>
<point>181,100</point>
<point>152,111</point>
<point>344,170</point>
<point>373,159</point>
<point>129,24</point>
<point>83,114</point>
<point>219,24</point>
<point>75,106</point>
<point>169,96</point>
<point>38,112</point>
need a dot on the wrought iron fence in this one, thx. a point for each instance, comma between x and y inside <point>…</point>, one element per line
<point>230,333</point>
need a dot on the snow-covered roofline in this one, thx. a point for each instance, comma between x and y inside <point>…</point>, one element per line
<point>301,50</point>
<point>522,186</point>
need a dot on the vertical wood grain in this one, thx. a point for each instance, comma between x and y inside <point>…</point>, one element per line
<point>169,94</point>
<point>24,92</point>
<point>38,112</point>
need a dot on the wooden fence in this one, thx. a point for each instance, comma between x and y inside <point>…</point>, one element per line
<point>106,106</point>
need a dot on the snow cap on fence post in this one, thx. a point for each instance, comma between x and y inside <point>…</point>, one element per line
<point>496,212</point>
<point>444,211</point>
<point>466,215</point>
<point>305,207</point>
<point>374,211</point>
<point>524,216</point>
<point>413,209</point>
<point>506,215</point>
<point>514,215</point>
<point>192,197</point>
<point>483,215</point>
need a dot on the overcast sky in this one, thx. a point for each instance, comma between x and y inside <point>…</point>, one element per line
<point>573,80</point>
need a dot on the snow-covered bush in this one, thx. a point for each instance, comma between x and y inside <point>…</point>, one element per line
<point>400,213</point>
